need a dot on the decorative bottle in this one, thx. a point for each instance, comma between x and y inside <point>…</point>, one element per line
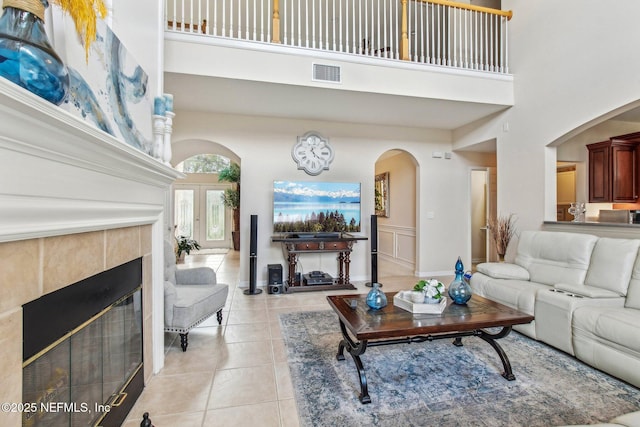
<point>376,299</point>
<point>26,56</point>
<point>459,289</point>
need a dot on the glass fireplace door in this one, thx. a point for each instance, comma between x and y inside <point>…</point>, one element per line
<point>80,379</point>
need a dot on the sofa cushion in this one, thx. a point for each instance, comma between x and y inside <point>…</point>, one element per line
<point>633,293</point>
<point>195,303</point>
<point>195,276</point>
<point>555,257</point>
<point>503,270</point>
<point>518,294</point>
<point>612,263</point>
<point>615,325</point>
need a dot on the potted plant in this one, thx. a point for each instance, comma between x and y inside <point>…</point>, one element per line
<point>502,229</point>
<point>231,198</point>
<point>184,245</point>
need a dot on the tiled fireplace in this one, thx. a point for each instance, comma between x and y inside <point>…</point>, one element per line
<point>74,203</point>
<point>34,268</point>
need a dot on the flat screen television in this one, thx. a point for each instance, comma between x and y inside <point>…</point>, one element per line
<point>316,207</point>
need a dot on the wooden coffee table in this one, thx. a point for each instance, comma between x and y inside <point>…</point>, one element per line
<point>393,325</point>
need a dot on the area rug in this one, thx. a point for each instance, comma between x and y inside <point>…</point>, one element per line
<point>438,384</point>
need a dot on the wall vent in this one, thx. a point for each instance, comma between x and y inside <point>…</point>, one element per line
<point>327,73</point>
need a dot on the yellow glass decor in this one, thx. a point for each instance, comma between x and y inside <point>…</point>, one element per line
<point>84,14</point>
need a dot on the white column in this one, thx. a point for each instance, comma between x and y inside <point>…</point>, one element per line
<point>168,129</point>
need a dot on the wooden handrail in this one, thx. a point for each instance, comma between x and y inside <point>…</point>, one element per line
<point>506,13</point>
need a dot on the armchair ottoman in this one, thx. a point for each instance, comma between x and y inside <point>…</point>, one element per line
<point>191,296</point>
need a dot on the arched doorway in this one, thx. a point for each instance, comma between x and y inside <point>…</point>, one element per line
<point>397,242</point>
<point>199,207</point>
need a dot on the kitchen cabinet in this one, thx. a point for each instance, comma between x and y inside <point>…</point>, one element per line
<point>613,169</point>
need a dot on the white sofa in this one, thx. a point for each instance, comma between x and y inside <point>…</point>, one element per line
<point>584,292</point>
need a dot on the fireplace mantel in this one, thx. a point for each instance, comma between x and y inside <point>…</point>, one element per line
<point>61,175</point>
<point>64,181</point>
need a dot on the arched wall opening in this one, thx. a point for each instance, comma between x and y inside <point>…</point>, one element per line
<point>397,223</point>
<point>568,163</point>
<point>198,209</point>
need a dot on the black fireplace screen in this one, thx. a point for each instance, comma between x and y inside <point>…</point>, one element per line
<point>80,378</point>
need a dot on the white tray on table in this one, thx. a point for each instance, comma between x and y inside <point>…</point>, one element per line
<point>401,300</point>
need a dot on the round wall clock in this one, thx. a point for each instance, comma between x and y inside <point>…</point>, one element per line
<point>312,153</point>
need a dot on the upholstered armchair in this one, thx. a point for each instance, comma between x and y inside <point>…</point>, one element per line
<point>191,296</point>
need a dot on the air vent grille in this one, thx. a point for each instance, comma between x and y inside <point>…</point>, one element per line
<point>326,73</point>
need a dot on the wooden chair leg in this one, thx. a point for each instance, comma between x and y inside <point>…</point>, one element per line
<point>219,316</point>
<point>184,341</point>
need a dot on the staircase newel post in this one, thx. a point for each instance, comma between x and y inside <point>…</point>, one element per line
<point>404,48</point>
<point>275,37</point>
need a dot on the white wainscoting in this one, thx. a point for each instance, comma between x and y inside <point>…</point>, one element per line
<point>397,244</point>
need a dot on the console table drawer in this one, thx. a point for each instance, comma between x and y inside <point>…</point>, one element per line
<point>321,246</point>
<point>336,245</point>
<point>307,246</point>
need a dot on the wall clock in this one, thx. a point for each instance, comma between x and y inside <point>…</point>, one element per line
<point>312,153</point>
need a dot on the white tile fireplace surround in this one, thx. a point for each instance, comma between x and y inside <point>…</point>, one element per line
<point>74,202</point>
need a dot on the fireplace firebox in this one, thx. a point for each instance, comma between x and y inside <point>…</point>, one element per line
<point>82,351</point>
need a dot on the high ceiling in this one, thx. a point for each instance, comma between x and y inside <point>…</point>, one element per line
<point>219,95</point>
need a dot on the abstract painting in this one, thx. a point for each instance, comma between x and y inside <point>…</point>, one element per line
<point>109,90</point>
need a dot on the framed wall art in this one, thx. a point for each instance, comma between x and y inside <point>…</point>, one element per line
<point>382,194</point>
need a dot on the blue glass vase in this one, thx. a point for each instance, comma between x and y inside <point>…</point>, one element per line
<point>459,289</point>
<point>376,299</point>
<point>26,56</point>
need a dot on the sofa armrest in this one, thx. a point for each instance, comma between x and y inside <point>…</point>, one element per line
<point>503,270</point>
<point>586,291</point>
<point>196,276</point>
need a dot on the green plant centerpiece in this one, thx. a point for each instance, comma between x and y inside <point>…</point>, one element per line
<point>432,289</point>
<point>186,245</point>
<point>231,198</point>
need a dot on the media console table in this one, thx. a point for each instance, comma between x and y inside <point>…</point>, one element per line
<point>306,243</point>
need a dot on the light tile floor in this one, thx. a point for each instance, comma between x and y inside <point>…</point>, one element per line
<point>235,374</point>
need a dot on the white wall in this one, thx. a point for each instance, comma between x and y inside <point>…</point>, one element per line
<point>564,56</point>
<point>263,146</point>
<point>138,25</point>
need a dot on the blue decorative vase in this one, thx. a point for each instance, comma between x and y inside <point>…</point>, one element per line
<point>26,56</point>
<point>459,289</point>
<point>376,299</point>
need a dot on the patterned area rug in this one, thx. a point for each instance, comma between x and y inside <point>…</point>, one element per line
<point>438,384</point>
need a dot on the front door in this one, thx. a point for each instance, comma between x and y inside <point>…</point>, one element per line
<point>200,214</point>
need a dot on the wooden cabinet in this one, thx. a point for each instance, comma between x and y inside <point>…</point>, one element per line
<point>613,170</point>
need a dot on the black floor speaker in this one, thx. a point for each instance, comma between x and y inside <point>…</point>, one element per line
<point>374,251</point>
<point>274,285</point>
<point>253,257</point>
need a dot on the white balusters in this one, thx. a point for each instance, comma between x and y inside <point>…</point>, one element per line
<point>462,37</point>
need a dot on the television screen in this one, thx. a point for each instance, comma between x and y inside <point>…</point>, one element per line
<point>313,207</point>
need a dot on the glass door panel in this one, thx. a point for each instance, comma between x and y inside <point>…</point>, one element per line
<point>201,215</point>
<point>214,215</point>
<point>184,210</point>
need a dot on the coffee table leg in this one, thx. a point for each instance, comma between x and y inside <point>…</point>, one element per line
<point>490,338</point>
<point>355,350</point>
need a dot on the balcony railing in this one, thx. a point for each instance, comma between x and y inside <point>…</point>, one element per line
<point>437,32</point>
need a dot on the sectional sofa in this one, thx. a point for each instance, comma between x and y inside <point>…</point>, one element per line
<point>584,292</point>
